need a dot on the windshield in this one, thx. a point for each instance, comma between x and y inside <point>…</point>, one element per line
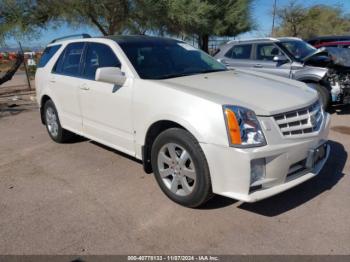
<point>168,59</point>
<point>299,49</point>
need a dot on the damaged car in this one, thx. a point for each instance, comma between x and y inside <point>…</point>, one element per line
<point>325,70</point>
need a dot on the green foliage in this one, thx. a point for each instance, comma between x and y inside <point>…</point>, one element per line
<point>295,20</point>
<point>199,18</point>
<point>20,18</point>
<point>204,18</point>
<point>109,16</point>
<point>10,19</point>
<point>147,16</point>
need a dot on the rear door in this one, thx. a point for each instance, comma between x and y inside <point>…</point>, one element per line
<point>65,81</point>
<point>106,107</point>
<point>238,56</point>
<point>263,60</point>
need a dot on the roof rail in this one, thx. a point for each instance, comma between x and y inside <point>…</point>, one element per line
<point>288,38</point>
<point>70,36</point>
<point>253,39</point>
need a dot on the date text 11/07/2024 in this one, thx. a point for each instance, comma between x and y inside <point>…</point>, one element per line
<point>173,258</point>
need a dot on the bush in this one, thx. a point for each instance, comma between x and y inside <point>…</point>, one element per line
<point>31,71</point>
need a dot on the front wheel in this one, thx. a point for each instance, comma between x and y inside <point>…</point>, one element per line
<point>180,168</point>
<point>323,92</point>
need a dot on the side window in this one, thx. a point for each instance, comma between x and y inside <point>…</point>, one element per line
<point>69,61</point>
<point>47,55</point>
<point>98,55</point>
<point>267,52</point>
<point>239,52</point>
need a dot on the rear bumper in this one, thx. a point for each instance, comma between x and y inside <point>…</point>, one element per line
<point>230,168</point>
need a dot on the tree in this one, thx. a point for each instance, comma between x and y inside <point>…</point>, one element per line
<point>10,19</point>
<point>184,18</point>
<point>205,18</point>
<point>147,16</point>
<point>25,18</point>
<point>326,20</point>
<point>296,20</point>
<point>292,18</point>
<point>109,16</point>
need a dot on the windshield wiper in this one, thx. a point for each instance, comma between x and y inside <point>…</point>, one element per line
<point>212,71</point>
<point>174,75</point>
<point>189,73</point>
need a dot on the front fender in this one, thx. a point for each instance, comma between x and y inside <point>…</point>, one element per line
<point>180,121</point>
<point>315,74</point>
<point>154,102</point>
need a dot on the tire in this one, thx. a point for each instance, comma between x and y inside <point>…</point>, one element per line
<point>180,168</point>
<point>323,93</point>
<point>53,125</point>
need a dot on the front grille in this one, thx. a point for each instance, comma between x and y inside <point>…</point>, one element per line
<point>303,121</point>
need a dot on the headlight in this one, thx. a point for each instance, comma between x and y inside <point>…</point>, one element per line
<point>243,128</point>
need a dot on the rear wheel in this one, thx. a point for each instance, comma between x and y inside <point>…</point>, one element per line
<point>53,125</point>
<point>180,168</point>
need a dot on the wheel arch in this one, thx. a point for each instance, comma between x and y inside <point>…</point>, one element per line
<point>309,79</point>
<point>43,100</point>
<point>321,82</point>
<point>152,133</point>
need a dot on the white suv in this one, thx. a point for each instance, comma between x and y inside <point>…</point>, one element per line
<point>200,128</point>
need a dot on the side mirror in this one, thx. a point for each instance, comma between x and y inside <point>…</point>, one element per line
<point>280,58</point>
<point>111,75</point>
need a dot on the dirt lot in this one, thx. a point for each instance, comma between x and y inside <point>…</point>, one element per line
<point>83,198</point>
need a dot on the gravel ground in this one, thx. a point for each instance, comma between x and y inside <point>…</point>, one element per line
<point>83,198</point>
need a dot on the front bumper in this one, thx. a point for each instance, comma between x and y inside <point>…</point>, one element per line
<point>230,168</point>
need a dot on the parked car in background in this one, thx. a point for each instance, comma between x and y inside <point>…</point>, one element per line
<point>199,127</point>
<point>318,41</point>
<point>292,58</point>
<point>338,44</point>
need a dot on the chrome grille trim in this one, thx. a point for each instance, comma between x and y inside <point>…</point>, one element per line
<point>302,121</point>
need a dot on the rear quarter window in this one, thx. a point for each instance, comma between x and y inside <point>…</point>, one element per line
<point>48,54</point>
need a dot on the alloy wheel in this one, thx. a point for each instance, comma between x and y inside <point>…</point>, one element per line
<point>52,121</point>
<point>176,169</point>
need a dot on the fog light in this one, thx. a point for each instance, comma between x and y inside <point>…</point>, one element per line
<point>257,171</point>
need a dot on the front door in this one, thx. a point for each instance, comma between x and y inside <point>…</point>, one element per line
<point>106,108</point>
<point>263,60</point>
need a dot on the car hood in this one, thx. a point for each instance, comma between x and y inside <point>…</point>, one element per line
<point>325,55</point>
<point>265,94</point>
<point>339,56</point>
<point>320,51</point>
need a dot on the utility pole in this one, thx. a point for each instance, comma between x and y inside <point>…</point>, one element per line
<point>25,66</point>
<point>273,18</point>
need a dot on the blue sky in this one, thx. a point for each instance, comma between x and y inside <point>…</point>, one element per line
<point>261,14</point>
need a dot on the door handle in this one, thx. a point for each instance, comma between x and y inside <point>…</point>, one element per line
<point>52,80</point>
<point>84,87</point>
<point>258,66</point>
<point>225,62</point>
